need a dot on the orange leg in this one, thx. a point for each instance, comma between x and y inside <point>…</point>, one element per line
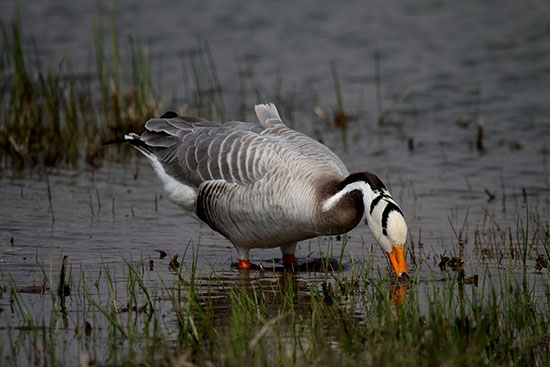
<point>290,259</point>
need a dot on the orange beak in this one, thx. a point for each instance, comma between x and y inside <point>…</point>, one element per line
<point>397,259</point>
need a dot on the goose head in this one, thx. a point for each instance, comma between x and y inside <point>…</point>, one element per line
<point>384,217</point>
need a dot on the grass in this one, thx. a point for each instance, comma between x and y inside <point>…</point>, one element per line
<point>141,315</point>
<point>52,116</point>
<point>49,115</point>
<point>283,324</point>
<point>180,316</point>
<point>175,313</point>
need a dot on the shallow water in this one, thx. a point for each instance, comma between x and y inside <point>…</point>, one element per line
<point>453,58</point>
<point>474,60</point>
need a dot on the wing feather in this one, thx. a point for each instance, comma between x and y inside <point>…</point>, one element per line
<point>194,150</point>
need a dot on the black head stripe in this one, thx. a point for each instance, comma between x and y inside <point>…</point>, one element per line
<point>376,200</point>
<point>374,182</point>
<point>389,208</point>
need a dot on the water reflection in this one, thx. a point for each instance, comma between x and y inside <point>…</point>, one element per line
<point>272,291</point>
<point>398,294</point>
<point>299,292</point>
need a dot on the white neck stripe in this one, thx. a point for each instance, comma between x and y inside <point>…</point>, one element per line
<point>359,185</point>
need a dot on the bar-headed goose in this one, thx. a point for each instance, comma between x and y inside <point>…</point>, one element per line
<point>265,185</point>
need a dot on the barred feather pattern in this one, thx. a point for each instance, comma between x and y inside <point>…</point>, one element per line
<point>256,183</point>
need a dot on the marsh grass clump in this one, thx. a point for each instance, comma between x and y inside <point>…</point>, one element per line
<point>203,88</point>
<point>33,129</point>
<point>129,313</point>
<point>127,100</point>
<point>181,317</point>
<point>50,116</point>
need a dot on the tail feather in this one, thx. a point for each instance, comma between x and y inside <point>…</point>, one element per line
<point>130,138</point>
<point>267,114</point>
<point>178,192</point>
<point>135,140</point>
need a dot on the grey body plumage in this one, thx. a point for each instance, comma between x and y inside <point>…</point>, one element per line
<point>261,185</point>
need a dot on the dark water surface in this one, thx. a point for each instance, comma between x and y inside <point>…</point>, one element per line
<point>481,61</point>
<point>466,60</point>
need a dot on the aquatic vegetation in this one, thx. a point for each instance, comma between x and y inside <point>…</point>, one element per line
<point>53,117</point>
<point>166,311</point>
<point>277,319</point>
<point>49,114</point>
<point>481,301</point>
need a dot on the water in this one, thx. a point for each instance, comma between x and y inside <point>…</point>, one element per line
<point>486,61</point>
<point>458,61</point>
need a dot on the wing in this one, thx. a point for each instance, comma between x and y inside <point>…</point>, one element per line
<point>307,148</point>
<point>194,150</point>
